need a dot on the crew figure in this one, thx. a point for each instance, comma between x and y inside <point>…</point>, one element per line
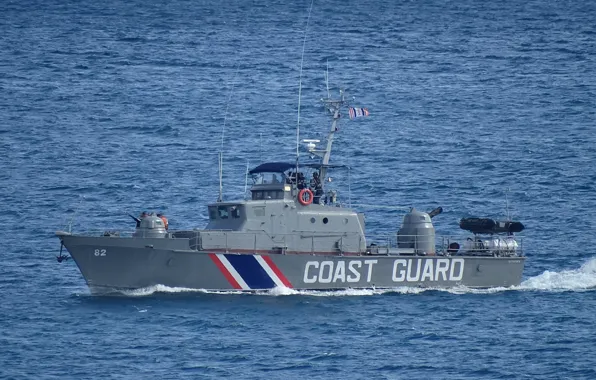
<point>164,219</point>
<point>316,187</point>
<point>301,184</point>
<point>291,179</point>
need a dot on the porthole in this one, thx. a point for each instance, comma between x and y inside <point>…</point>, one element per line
<point>325,220</point>
<point>312,220</point>
<point>345,220</point>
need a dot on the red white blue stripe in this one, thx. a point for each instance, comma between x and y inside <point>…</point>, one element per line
<point>246,272</point>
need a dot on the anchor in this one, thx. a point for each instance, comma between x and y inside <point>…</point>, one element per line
<point>62,257</point>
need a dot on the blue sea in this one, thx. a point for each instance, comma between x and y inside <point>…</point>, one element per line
<point>112,107</point>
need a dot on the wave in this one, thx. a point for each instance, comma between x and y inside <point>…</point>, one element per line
<point>150,290</point>
<point>581,279</point>
<point>278,291</point>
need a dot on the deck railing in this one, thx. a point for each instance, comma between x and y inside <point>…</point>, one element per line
<point>375,244</point>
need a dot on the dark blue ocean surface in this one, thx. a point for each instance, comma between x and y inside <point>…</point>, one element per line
<point>111,107</point>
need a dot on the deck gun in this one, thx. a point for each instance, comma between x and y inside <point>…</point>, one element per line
<point>435,212</point>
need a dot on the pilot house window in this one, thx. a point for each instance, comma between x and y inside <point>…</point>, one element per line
<point>257,195</point>
<point>223,212</point>
<point>267,194</point>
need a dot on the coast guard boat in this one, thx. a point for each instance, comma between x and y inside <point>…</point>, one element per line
<point>295,233</point>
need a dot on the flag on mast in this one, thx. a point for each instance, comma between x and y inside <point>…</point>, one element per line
<point>358,112</point>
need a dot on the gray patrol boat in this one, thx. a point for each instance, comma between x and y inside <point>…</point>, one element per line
<point>294,233</point>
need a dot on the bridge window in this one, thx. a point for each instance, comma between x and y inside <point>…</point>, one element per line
<point>212,213</point>
<point>223,212</point>
<point>258,195</point>
<point>235,211</point>
<point>274,194</point>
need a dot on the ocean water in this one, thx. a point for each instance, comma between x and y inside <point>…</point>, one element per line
<point>483,108</point>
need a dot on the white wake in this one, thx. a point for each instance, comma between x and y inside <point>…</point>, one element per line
<point>580,279</point>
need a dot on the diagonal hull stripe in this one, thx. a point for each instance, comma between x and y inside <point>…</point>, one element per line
<point>223,265</point>
<point>251,271</point>
<point>233,271</point>
<point>273,271</point>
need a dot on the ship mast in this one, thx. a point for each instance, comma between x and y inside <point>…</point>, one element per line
<point>333,106</point>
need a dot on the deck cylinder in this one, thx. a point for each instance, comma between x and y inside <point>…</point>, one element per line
<point>417,232</point>
<point>150,227</point>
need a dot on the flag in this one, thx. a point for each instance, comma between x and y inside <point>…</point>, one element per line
<point>358,112</point>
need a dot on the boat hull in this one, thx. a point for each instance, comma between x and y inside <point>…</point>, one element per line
<point>133,263</point>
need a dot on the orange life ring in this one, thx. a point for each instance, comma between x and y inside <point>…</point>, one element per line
<point>305,202</point>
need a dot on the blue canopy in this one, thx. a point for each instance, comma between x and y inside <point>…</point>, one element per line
<point>272,167</point>
<point>280,167</point>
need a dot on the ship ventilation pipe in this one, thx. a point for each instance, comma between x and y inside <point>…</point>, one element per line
<point>417,233</point>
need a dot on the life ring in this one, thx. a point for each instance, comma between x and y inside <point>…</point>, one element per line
<point>302,200</point>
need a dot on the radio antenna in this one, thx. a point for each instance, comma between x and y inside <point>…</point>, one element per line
<point>327,80</point>
<point>507,204</point>
<point>300,86</point>
<point>223,130</point>
<point>220,168</point>
<point>246,179</point>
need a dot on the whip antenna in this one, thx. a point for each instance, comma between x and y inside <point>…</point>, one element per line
<point>327,80</point>
<point>223,130</point>
<point>300,86</point>
<point>246,179</point>
<point>507,204</point>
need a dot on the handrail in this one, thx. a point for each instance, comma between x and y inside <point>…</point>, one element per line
<point>379,243</point>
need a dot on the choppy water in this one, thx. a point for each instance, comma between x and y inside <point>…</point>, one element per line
<point>114,107</point>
